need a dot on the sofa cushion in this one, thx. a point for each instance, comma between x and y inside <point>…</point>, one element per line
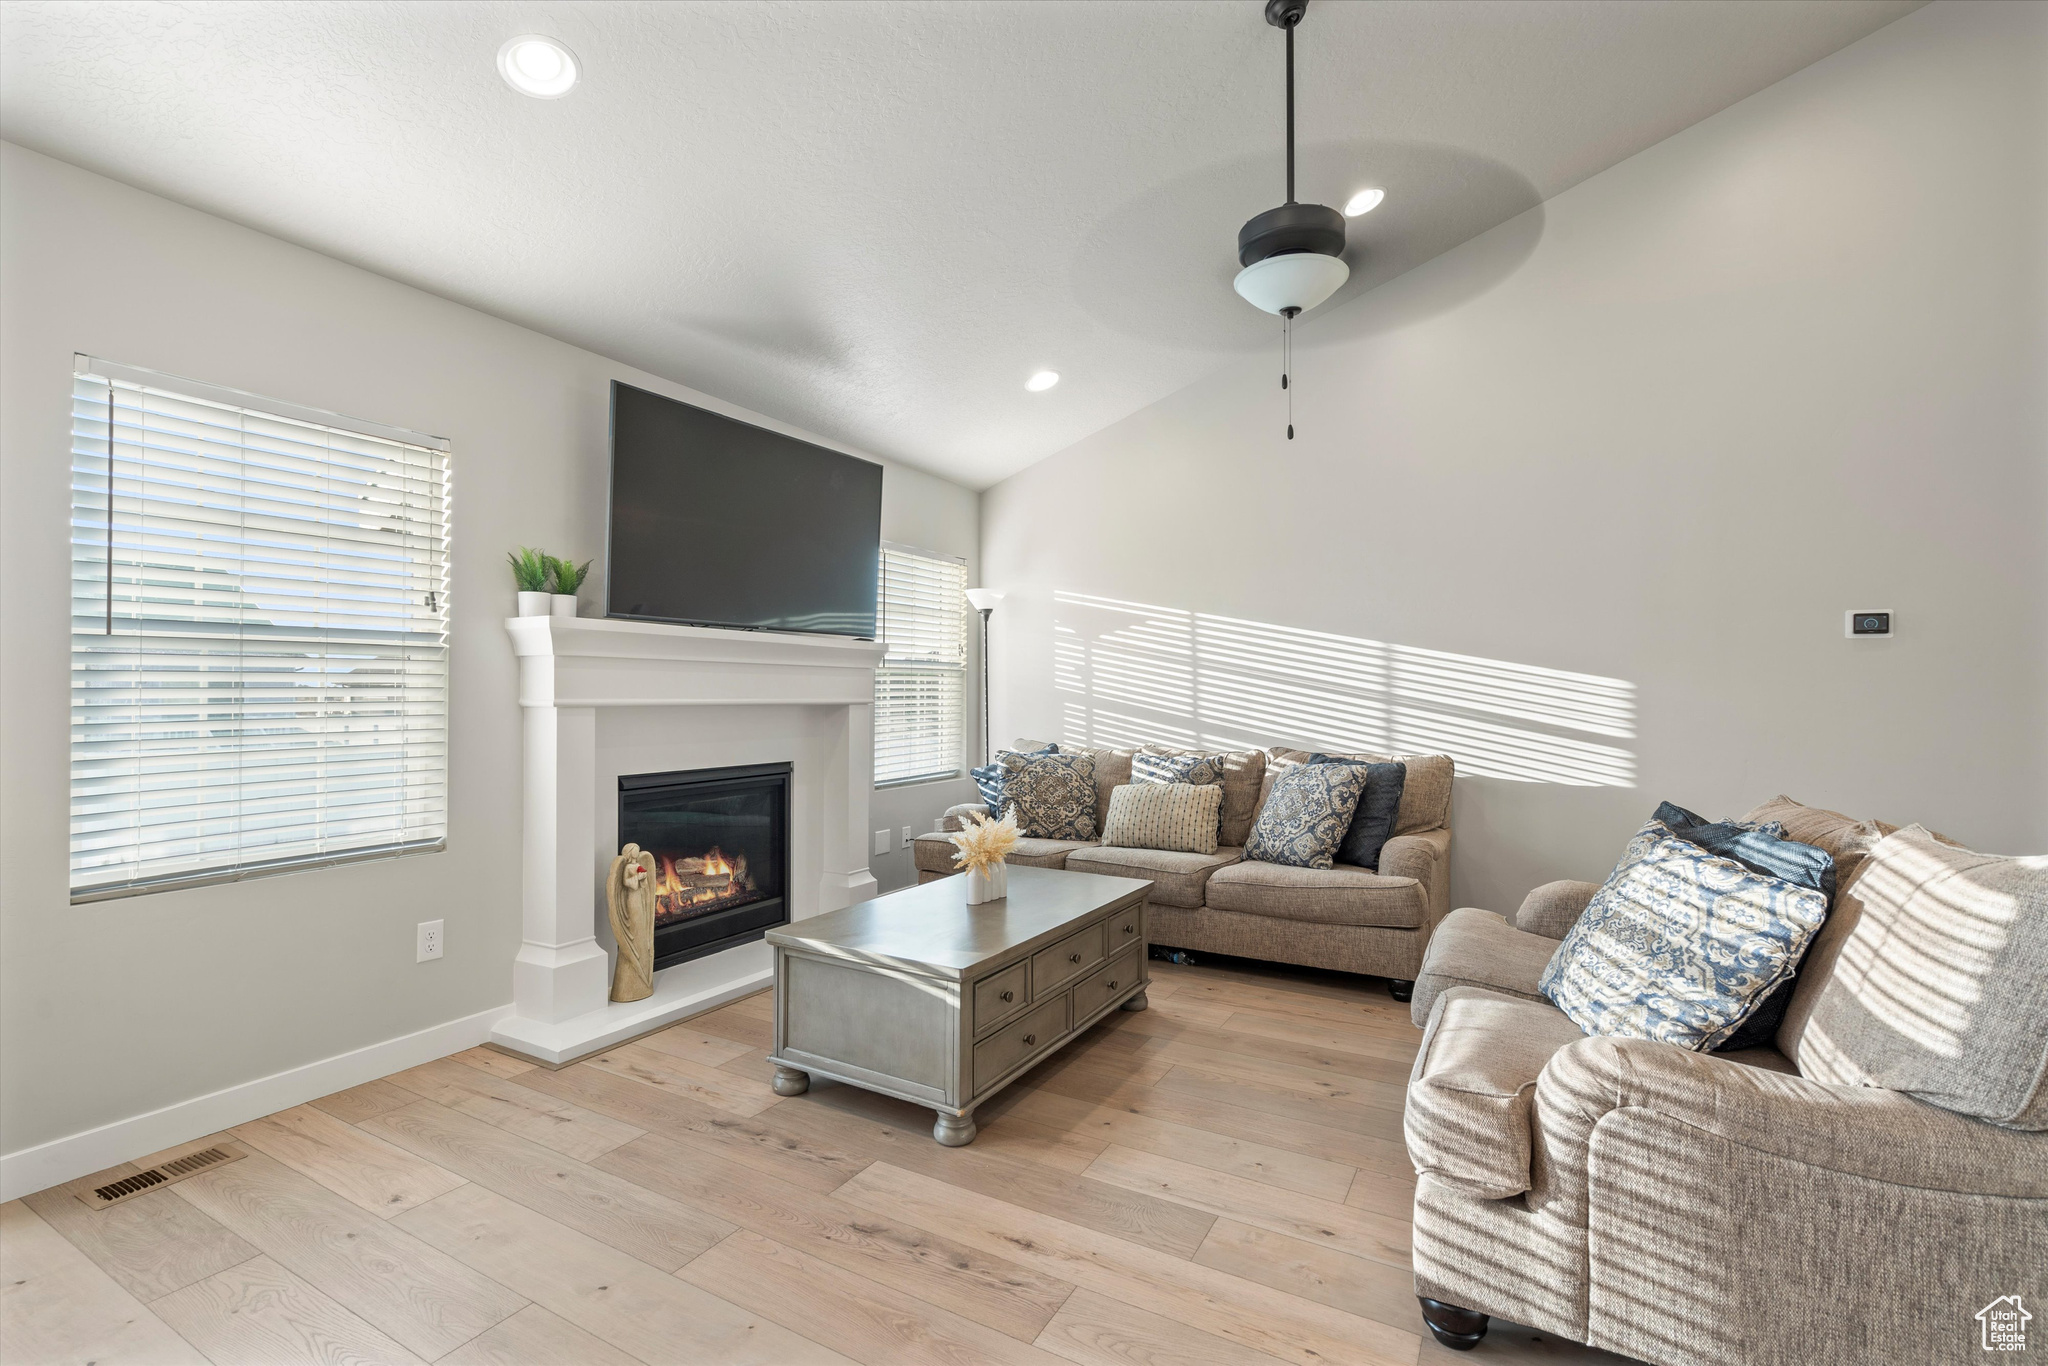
<point>934,853</point>
<point>1177,879</point>
<point>1244,770</point>
<point>1425,784</point>
<point>1468,1118</point>
<point>1053,795</point>
<point>1680,945</point>
<point>1372,821</point>
<point>1339,895</point>
<point>1306,815</point>
<point>1112,770</point>
<point>1177,816</point>
<point>1941,989</point>
<point>988,779</point>
<point>1475,948</point>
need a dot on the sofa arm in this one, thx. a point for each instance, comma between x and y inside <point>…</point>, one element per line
<point>1864,1132</point>
<point>1552,909</point>
<point>956,816</point>
<point>1426,857</point>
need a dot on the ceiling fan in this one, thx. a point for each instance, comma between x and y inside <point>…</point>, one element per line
<point>1291,258</point>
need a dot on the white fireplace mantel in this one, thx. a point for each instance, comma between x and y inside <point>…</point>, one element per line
<point>570,668</point>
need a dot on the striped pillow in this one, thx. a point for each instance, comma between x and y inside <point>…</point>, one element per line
<point>1176,816</point>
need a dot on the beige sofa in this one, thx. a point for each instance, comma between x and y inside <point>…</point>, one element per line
<point>1682,1207</point>
<point>1348,918</point>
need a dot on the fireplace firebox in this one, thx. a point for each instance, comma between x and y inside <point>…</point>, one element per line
<point>720,840</point>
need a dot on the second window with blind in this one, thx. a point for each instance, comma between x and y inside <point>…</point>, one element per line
<point>921,687</point>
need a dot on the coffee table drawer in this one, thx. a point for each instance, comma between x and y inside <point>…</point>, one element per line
<point>1053,968</point>
<point>1106,984</point>
<point>999,997</point>
<point>1045,1026</point>
<point>1124,928</point>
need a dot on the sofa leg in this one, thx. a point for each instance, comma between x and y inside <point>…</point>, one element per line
<point>1457,1329</point>
<point>1400,990</point>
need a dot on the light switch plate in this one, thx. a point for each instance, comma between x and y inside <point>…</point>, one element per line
<point>881,841</point>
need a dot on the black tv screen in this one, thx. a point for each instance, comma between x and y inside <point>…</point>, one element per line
<point>719,523</point>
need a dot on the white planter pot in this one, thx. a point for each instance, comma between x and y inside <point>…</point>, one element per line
<point>565,604</point>
<point>535,604</point>
<point>992,885</point>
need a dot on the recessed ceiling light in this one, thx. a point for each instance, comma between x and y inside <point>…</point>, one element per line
<point>537,66</point>
<point>1042,381</point>
<point>1365,201</point>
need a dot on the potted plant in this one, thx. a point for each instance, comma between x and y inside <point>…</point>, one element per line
<point>530,571</point>
<point>564,578</point>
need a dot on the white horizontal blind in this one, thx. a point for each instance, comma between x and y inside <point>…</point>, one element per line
<point>259,637</point>
<point>920,723</point>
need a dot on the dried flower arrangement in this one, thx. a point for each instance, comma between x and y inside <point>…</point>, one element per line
<point>982,842</point>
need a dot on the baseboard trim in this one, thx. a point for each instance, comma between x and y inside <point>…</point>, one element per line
<point>80,1154</point>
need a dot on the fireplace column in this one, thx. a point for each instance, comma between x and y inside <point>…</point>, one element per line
<point>561,971</point>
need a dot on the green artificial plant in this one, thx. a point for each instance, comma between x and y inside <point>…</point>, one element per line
<point>565,575</point>
<point>531,569</point>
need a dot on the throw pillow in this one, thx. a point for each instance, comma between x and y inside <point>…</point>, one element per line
<point>1941,989</point>
<point>988,779</point>
<point>1178,768</point>
<point>1679,945</point>
<point>1176,816</point>
<point>1425,786</point>
<point>1761,848</point>
<point>1306,814</point>
<point>1372,824</point>
<point>1052,794</point>
<point>1243,770</point>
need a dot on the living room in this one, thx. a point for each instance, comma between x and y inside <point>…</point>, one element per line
<point>984,823</point>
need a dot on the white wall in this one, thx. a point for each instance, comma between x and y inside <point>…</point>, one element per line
<point>1661,431</point>
<point>116,1008</point>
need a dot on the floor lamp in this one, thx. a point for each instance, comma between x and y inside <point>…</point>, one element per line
<point>984,601</point>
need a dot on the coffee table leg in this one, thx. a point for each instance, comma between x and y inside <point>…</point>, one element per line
<point>1137,1002</point>
<point>790,1082</point>
<point>954,1133</point>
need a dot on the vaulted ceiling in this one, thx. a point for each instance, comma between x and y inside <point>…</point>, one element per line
<point>876,220</point>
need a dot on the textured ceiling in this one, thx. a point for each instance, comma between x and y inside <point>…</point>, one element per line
<point>876,220</point>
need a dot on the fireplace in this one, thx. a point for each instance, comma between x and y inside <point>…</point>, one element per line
<point>720,840</point>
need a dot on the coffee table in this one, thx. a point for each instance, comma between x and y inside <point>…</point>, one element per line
<point>918,995</point>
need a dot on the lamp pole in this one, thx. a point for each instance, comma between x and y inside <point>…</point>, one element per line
<point>984,601</point>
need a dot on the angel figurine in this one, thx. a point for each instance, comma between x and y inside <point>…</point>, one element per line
<point>629,896</point>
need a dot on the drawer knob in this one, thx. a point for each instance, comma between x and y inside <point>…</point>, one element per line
<point>1112,986</point>
<point>1030,1039</point>
<point>1009,996</point>
<point>1073,958</point>
<point>1129,928</point>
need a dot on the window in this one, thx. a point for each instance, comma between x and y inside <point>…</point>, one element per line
<point>920,723</point>
<point>259,636</point>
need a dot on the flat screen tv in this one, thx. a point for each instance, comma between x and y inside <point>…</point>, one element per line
<point>719,523</point>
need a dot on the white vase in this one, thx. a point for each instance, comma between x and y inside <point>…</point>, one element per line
<point>535,604</point>
<point>565,604</point>
<point>990,884</point>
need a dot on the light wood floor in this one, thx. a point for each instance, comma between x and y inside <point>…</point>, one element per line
<point>1218,1181</point>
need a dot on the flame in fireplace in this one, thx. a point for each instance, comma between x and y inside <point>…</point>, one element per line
<point>692,886</point>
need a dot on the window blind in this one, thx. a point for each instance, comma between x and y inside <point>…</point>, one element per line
<point>920,721</point>
<point>259,636</point>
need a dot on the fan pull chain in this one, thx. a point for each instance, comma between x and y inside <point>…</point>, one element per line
<point>1287,365</point>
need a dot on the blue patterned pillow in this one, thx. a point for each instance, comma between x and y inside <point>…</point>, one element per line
<point>1372,824</point>
<point>1052,794</point>
<point>1202,770</point>
<point>1679,945</point>
<point>1305,815</point>
<point>988,779</point>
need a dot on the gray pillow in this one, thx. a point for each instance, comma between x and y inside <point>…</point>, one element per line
<point>1941,990</point>
<point>1306,815</point>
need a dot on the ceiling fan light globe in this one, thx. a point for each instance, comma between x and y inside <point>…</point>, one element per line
<point>1298,280</point>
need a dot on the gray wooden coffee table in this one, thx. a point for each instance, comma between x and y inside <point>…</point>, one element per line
<point>919,995</point>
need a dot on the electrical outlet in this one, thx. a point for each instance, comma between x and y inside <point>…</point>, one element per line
<point>881,841</point>
<point>429,940</point>
<point>907,837</point>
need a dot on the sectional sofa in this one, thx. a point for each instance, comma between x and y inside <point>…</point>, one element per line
<point>1364,920</point>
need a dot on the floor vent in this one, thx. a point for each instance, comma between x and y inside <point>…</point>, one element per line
<point>162,1174</point>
